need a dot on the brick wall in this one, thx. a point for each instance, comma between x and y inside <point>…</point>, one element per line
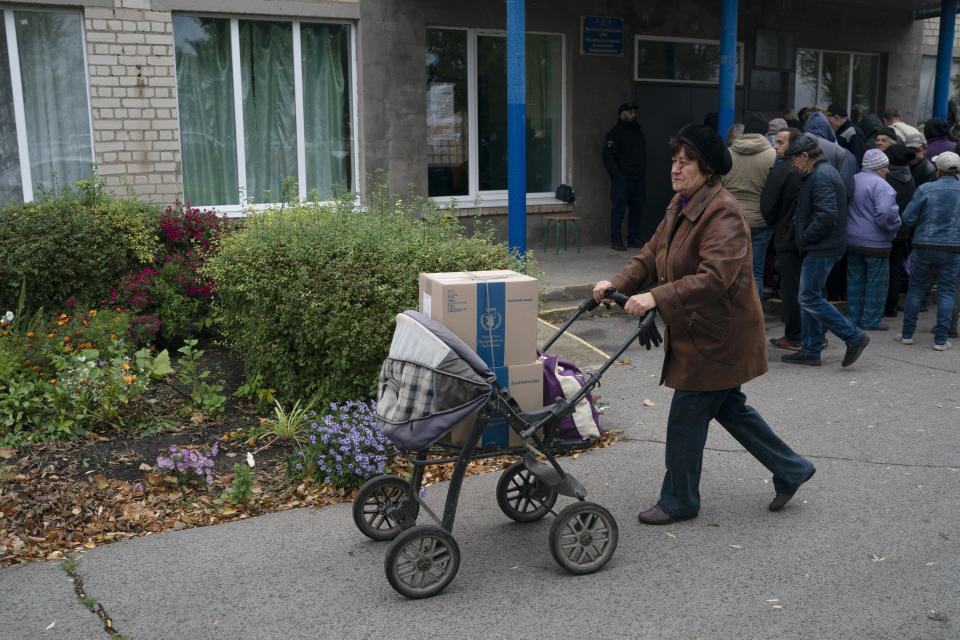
<point>133,97</point>
<point>931,34</point>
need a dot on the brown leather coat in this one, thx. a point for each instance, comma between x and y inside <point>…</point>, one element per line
<point>699,268</point>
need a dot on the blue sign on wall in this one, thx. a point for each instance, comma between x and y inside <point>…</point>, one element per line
<point>601,36</point>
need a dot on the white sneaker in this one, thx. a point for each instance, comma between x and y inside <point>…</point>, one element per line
<point>903,340</point>
<point>942,347</point>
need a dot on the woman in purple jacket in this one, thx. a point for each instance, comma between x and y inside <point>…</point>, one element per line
<point>872,224</point>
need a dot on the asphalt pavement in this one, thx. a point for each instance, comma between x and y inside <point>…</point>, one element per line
<point>869,548</point>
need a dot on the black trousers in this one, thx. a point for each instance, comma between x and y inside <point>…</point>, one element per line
<point>898,253</point>
<point>790,263</point>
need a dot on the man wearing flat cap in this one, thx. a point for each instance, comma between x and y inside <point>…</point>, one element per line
<point>625,158</point>
<point>821,234</point>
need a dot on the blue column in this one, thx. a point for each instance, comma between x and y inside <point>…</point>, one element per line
<point>941,87</point>
<point>728,67</point>
<point>517,125</point>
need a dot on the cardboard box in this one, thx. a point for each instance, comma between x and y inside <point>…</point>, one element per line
<point>525,383</point>
<point>494,312</point>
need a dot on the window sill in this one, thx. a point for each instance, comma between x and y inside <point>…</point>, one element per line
<point>498,205</point>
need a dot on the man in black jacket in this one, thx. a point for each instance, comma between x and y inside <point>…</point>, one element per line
<point>900,178</point>
<point>849,135</point>
<point>778,204</point>
<point>625,158</point>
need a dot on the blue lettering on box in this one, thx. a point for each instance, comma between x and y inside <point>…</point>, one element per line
<point>491,323</point>
<point>497,430</point>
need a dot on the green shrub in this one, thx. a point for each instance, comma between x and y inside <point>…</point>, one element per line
<point>76,243</point>
<point>308,292</point>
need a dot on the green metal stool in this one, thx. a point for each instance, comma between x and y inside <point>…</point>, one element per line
<point>557,219</point>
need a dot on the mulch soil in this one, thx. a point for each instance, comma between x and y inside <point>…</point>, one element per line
<point>62,498</point>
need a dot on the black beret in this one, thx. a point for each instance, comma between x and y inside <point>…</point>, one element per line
<point>900,155</point>
<point>890,132</point>
<point>803,143</point>
<point>756,124</point>
<point>710,145</point>
<point>626,106</point>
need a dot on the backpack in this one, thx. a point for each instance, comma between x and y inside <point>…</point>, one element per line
<point>564,379</point>
<point>566,194</point>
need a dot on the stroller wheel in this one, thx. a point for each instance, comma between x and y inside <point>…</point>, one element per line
<point>583,537</point>
<point>375,505</point>
<point>521,496</point>
<point>422,561</point>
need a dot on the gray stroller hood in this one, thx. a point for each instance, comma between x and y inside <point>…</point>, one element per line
<point>430,381</point>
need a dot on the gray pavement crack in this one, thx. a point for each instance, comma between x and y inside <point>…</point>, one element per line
<point>917,364</point>
<point>70,566</point>
<point>883,463</point>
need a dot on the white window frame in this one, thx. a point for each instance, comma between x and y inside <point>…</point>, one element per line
<point>239,210</point>
<point>16,86</point>
<point>820,53</point>
<point>636,67</point>
<point>500,197</point>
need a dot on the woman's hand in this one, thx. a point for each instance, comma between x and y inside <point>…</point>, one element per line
<point>601,288</point>
<point>639,304</point>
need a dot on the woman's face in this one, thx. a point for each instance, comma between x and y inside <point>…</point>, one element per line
<point>685,174</point>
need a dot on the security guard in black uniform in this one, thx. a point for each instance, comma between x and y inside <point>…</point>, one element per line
<point>625,157</point>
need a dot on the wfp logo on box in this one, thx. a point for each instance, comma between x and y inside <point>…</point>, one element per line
<point>491,320</point>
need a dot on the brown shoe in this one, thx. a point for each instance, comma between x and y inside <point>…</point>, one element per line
<point>656,515</point>
<point>781,499</point>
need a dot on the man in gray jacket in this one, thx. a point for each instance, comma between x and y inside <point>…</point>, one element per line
<point>838,157</point>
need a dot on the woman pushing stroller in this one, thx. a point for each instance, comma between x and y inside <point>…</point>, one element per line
<point>697,271</point>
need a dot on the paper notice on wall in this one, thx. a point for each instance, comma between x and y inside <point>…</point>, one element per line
<point>440,115</point>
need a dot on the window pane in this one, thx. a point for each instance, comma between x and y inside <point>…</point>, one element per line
<point>325,57</point>
<point>807,69</point>
<point>54,96</point>
<point>492,112</point>
<point>836,78</point>
<point>544,77</point>
<point>668,60</point>
<point>544,112</point>
<point>447,166</point>
<point>208,139</point>
<point>269,115</point>
<point>928,74</point>
<point>11,189</point>
<point>864,99</point>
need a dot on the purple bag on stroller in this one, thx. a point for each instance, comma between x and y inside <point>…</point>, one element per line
<point>564,379</point>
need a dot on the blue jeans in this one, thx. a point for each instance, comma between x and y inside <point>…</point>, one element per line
<point>690,415</point>
<point>626,194</point>
<point>922,262</point>
<point>815,312</point>
<point>867,280</point>
<point>760,238</point>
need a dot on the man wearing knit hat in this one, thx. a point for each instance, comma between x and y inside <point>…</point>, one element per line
<point>849,135</point>
<point>872,224</point>
<point>821,232</point>
<point>752,158</point>
<point>933,213</point>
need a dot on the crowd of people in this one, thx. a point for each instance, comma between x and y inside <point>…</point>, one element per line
<point>879,196</point>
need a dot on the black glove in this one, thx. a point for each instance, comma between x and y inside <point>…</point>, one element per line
<point>649,334</point>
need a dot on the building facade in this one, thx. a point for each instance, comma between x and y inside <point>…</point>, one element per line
<point>226,102</point>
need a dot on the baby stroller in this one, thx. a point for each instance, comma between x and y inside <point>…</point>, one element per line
<point>432,380</point>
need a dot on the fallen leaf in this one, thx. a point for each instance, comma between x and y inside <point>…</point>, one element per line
<point>648,403</point>
<point>51,625</point>
<point>6,453</point>
<point>735,546</point>
<point>670,534</point>
<point>778,606</point>
<point>639,422</point>
<point>89,544</point>
<point>145,467</point>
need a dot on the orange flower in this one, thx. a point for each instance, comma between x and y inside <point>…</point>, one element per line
<point>93,313</point>
<point>30,335</point>
<point>262,420</point>
<point>41,374</point>
<point>36,368</point>
<point>61,323</point>
<point>27,362</point>
<point>85,323</point>
<point>53,381</point>
<point>66,338</point>
<point>118,310</point>
<point>233,433</point>
<point>125,366</point>
<point>62,316</point>
<point>129,378</point>
<point>226,436</point>
<point>252,442</point>
<point>49,335</point>
<point>4,332</point>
